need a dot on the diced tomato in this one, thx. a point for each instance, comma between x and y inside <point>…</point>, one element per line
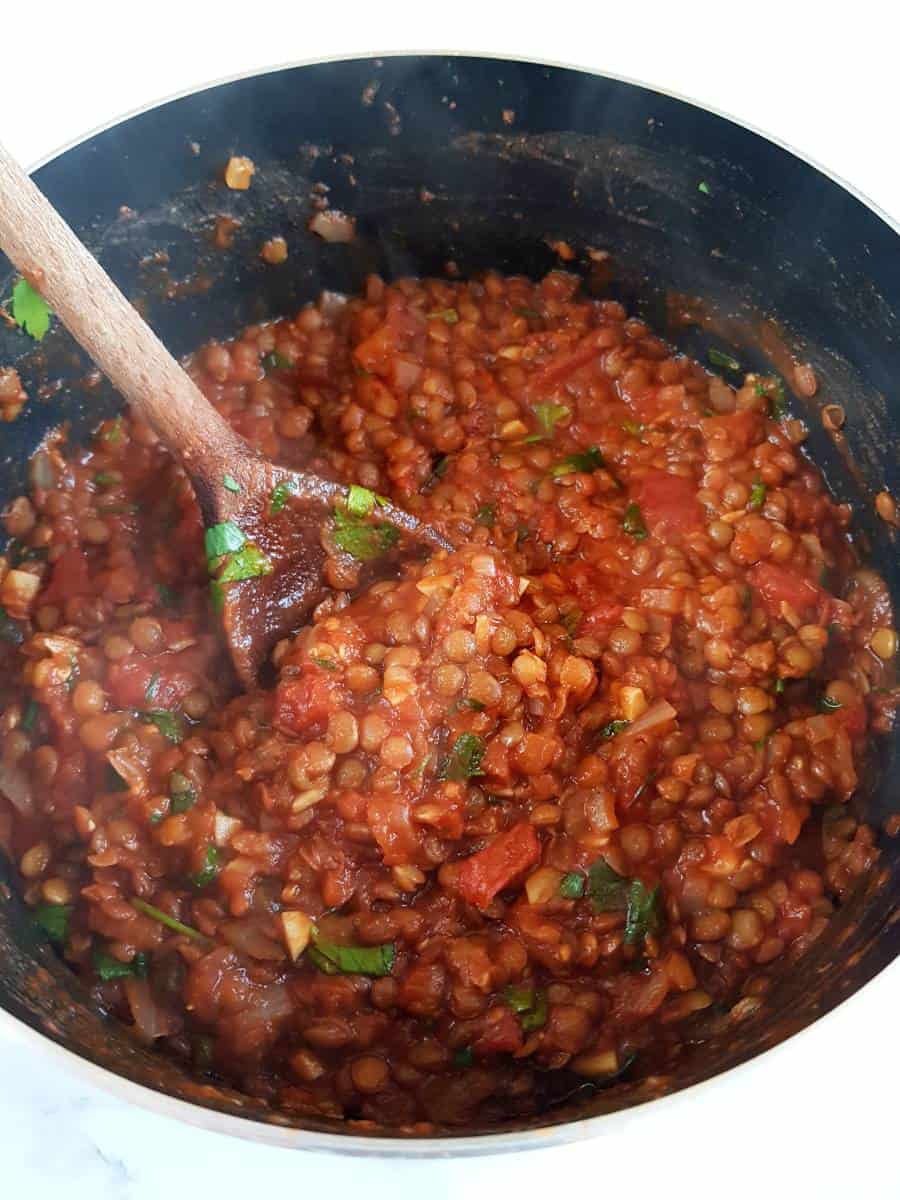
<point>503,1034</point>
<point>388,818</point>
<point>600,616</point>
<point>777,585</point>
<point>303,703</point>
<point>669,504</point>
<point>853,718</point>
<point>559,366</point>
<point>486,873</point>
<point>128,682</point>
<point>68,578</point>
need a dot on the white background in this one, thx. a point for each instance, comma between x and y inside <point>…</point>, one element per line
<point>818,1115</point>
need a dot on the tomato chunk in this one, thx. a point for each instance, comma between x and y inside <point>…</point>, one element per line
<point>777,584</point>
<point>128,682</point>
<point>69,577</point>
<point>307,702</point>
<point>669,503</point>
<point>486,873</point>
<point>503,1034</point>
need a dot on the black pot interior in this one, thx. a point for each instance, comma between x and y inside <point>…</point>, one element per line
<point>480,162</point>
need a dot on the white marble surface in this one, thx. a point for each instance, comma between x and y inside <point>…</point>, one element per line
<point>818,1115</point>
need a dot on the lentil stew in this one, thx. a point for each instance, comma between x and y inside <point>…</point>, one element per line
<point>514,815</point>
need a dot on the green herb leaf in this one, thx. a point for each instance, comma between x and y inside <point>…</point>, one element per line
<point>779,687</point>
<point>152,688</point>
<point>611,728</point>
<point>485,515</point>
<point>30,715</point>
<point>224,538</point>
<point>169,724</point>
<point>464,760</point>
<point>773,390</point>
<point>450,315</point>
<point>828,705</point>
<point>30,310</point>
<point>757,495</point>
<point>276,362</point>
<point>548,415</point>
<point>720,359</point>
<point>247,563</point>
<point>327,664</point>
<point>360,501</point>
<point>634,428</point>
<point>230,483</point>
<point>531,313</point>
<point>105,479</point>
<point>114,432</point>
<point>584,460</point>
<point>572,885</point>
<point>362,539</point>
<point>204,1048</point>
<point>570,620</point>
<point>464,1057</point>
<point>633,522</point>
<point>642,916</point>
<point>109,968</point>
<point>530,1004</point>
<point>17,552</point>
<point>217,596</point>
<point>459,705</point>
<point>438,471</point>
<point>210,869</point>
<point>54,920</point>
<point>157,914</point>
<point>280,496</point>
<point>182,792</point>
<point>11,631</point>
<point>703,187</point>
<point>334,959</point>
<point>607,889</point>
<point>74,675</point>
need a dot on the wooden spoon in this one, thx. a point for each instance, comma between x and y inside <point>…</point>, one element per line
<point>256,612</point>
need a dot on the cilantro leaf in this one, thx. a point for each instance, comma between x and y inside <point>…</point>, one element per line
<point>54,920</point>
<point>221,539</point>
<point>464,760</point>
<point>720,359</point>
<point>157,914</point>
<point>828,705</point>
<point>572,885</point>
<point>773,391</point>
<point>210,869</point>
<point>607,889</point>
<point>30,714</point>
<point>360,501</point>
<point>334,959</point>
<point>485,515</point>
<point>276,362</point>
<point>703,187</point>
<point>611,728</point>
<point>247,563</point>
<point>169,724</point>
<point>182,792</point>
<point>548,415</point>
<point>633,522</point>
<point>757,495</point>
<point>464,1057</point>
<point>230,483</point>
<point>362,539</point>
<point>30,310</point>
<point>327,664</point>
<point>584,460</point>
<point>529,1003</point>
<point>449,315</point>
<point>109,968</point>
<point>642,916</point>
<point>279,498</point>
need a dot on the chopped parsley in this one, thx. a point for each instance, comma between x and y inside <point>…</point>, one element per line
<point>152,689</point>
<point>642,916</point>
<point>485,515</point>
<point>548,415</point>
<point>169,724</point>
<point>459,705</point>
<point>54,920</point>
<point>247,563</point>
<point>182,792</point>
<point>109,968</point>
<point>531,313</point>
<point>449,315</point>
<point>779,687</point>
<point>209,870</point>
<point>30,310</point>
<point>224,538</point>
<point>168,596</point>
<point>30,715</point>
<point>570,620</point>
<point>529,1003</point>
<point>720,359</point>
<point>584,460</point>
<point>464,760</point>
<point>334,959</point>
<point>703,187</point>
<point>106,479</point>
<point>464,1057</point>
<point>633,522</point>
<point>611,728</point>
<point>829,705</point>
<point>276,362</point>
<point>360,538</point>
<point>606,888</point>
<point>280,495</point>
<point>327,664</point>
<point>114,432</point>
<point>757,495</point>
<point>360,501</point>
<point>438,471</point>
<point>572,885</point>
<point>230,483</point>
<point>772,389</point>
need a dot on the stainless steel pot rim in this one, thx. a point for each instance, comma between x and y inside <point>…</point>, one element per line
<point>289,1137</point>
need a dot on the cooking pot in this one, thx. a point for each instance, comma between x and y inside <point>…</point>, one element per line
<point>713,233</point>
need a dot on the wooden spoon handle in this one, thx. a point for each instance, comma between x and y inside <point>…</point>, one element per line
<point>44,249</point>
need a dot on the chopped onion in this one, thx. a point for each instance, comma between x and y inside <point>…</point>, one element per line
<point>130,768</point>
<point>16,787</point>
<point>150,1021</point>
<point>333,226</point>
<point>250,938</point>
<point>224,828</point>
<point>659,712</point>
